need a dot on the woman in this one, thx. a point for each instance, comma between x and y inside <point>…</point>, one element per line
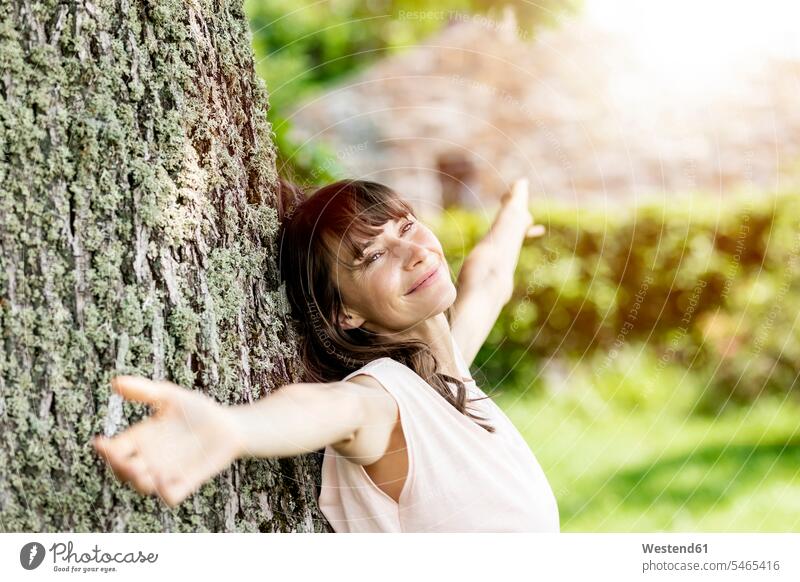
<point>411,442</point>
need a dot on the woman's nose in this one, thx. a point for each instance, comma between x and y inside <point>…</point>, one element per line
<point>415,254</point>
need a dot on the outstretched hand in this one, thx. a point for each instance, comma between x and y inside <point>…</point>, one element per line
<point>188,440</point>
<point>517,197</point>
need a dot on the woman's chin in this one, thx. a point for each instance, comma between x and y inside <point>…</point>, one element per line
<point>432,300</point>
<point>439,299</point>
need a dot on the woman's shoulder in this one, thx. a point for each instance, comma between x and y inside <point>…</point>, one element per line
<point>393,375</point>
<point>372,364</point>
<point>382,367</point>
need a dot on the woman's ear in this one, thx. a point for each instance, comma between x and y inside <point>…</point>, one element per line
<point>350,320</point>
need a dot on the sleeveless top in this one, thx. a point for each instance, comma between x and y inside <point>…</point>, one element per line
<point>461,478</point>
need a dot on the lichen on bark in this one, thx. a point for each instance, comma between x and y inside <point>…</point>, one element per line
<point>137,235</point>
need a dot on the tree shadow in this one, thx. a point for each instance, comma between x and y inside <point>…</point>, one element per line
<point>703,478</point>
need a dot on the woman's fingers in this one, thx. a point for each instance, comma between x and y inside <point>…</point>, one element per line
<point>149,472</point>
<point>143,433</point>
<point>171,453</point>
<point>520,186</point>
<point>140,389</point>
<point>184,479</point>
<point>128,442</point>
<point>112,450</point>
<point>535,231</point>
<point>175,491</point>
<point>138,473</point>
<point>147,478</point>
<point>126,469</point>
<point>141,440</point>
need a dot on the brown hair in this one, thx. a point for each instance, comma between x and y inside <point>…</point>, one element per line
<point>343,211</point>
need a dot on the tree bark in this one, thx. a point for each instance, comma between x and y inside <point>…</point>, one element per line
<point>137,235</point>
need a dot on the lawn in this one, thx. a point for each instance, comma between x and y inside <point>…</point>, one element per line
<point>618,465</point>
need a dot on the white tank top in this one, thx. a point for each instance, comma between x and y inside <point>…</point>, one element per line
<point>461,478</point>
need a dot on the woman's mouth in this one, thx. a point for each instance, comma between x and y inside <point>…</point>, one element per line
<point>427,281</point>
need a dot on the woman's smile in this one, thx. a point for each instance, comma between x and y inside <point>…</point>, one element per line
<point>428,279</point>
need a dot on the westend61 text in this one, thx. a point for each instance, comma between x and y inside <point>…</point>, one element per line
<point>670,549</point>
<point>65,553</point>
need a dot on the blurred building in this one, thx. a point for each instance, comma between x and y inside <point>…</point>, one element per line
<point>455,119</point>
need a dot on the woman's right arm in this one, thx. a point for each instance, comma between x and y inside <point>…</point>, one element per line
<point>300,418</point>
<point>190,437</point>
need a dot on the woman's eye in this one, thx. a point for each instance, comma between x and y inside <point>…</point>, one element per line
<point>375,256</point>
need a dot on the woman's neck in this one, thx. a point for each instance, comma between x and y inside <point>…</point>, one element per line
<point>435,331</point>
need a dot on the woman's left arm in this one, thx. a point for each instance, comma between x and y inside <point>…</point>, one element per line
<point>486,281</point>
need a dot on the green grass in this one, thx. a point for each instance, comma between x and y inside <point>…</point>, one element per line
<point>618,465</point>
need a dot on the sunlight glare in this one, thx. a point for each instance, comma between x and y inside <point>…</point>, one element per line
<point>694,47</point>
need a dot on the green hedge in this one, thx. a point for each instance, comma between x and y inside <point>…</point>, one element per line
<point>713,287</point>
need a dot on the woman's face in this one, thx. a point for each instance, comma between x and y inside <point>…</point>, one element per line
<point>382,291</point>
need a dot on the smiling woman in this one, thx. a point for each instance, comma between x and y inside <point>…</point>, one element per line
<point>411,442</point>
<point>355,260</point>
<point>369,283</point>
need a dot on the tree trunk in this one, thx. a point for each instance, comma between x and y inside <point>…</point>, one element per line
<point>137,235</point>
